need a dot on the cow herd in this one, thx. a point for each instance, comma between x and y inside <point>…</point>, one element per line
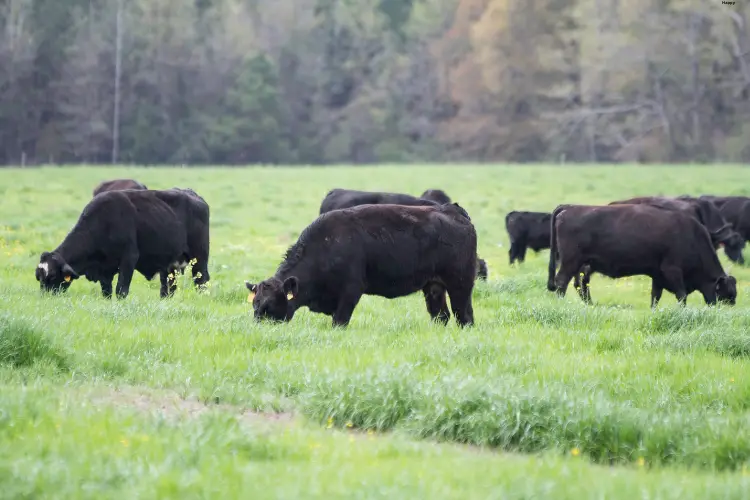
<point>671,240</point>
<point>392,245</point>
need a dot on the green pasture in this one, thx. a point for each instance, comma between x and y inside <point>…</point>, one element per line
<point>190,398</point>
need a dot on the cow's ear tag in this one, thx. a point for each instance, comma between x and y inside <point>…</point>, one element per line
<point>67,279</point>
<point>251,296</point>
<point>289,296</point>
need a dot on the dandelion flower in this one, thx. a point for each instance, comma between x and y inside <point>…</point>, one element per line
<point>731,379</point>
<point>329,424</point>
<point>349,425</point>
<point>575,452</point>
<point>641,461</point>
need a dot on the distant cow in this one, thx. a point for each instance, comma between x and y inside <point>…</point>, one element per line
<point>134,230</point>
<point>527,230</point>
<point>672,248</point>
<point>385,250</point>
<point>118,185</point>
<point>436,195</point>
<point>706,213</point>
<point>338,198</point>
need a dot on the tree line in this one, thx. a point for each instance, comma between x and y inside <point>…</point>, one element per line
<point>364,81</point>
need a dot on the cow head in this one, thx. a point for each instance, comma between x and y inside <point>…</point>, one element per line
<point>272,298</point>
<point>726,289</point>
<point>733,247</point>
<point>53,273</point>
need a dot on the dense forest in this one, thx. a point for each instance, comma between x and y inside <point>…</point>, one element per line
<point>360,81</point>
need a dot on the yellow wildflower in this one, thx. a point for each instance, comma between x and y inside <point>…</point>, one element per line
<point>329,424</point>
<point>641,461</point>
<point>575,452</point>
<point>349,425</point>
<point>731,379</point>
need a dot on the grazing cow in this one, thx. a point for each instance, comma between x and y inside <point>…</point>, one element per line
<point>527,229</point>
<point>337,199</point>
<point>436,195</point>
<point>385,250</point>
<point>118,185</point>
<point>736,211</point>
<point>672,248</point>
<point>134,230</point>
<point>706,213</point>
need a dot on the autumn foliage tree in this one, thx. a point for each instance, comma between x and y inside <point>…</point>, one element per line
<point>332,81</point>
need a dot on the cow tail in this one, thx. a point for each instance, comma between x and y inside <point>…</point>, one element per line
<point>553,248</point>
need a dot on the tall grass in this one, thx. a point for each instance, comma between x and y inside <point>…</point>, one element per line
<point>614,383</point>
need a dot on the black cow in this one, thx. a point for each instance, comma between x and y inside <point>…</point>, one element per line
<point>736,211</point>
<point>338,198</point>
<point>672,248</point>
<point>527,230</point>
<point>436,195</point>
<point>706,213</point>
<point>385,250</point>
<point>134,230</point>
<point>118,185</point>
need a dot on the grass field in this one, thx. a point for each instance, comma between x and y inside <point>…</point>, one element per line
<point>188,397</point>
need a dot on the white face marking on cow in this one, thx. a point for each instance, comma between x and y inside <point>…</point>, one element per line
<point>44,266</point>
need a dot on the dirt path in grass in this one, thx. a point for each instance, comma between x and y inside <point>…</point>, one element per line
<point>171,405</point>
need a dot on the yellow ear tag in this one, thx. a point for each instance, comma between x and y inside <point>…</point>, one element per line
<point>250,297</point>
<point>289,296</point>
<point>67,279</point>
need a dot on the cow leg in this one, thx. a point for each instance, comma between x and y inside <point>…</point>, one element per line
<point>512,252</point>
<point>126,270</point>
<point>200,272</point>
<point>461,305</point>
<point>673,280</point>
<point>168,285</point>
<point>568,270</point>
<point>581,284</point>
<point>522,253</point>
<point>656,291</point>
<point>437,306</point>
<point>106,284</point>
<point>347,302</point>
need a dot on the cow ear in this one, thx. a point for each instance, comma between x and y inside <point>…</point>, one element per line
<point>251,286</point>
<point>68,272</point>
<point>44,256</point>
<point>291,287</point>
